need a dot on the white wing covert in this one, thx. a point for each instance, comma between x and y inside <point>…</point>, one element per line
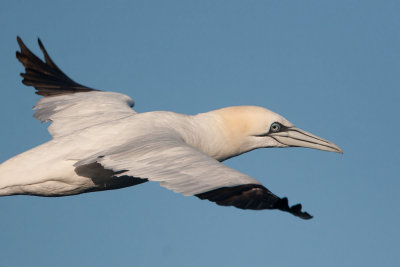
<point>72,112</point>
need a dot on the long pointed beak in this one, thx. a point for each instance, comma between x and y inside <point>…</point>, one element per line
<point>298,138</point>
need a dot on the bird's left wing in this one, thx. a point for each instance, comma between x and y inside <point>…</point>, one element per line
<point>69,105</point>
<point>177,166</point>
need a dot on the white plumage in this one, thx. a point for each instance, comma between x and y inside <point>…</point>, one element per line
<point>100,143</point>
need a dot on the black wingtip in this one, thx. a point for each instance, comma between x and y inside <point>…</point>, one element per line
<point>47,58</point>
<point>42,47</point>
<point>19,40</point>
<point>296,210</point>
<point>252,196</point>
<point>40,43</point>
<point>45,76</point>
<point>21,44</point>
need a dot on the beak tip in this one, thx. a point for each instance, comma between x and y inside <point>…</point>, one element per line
<point>339,150</point>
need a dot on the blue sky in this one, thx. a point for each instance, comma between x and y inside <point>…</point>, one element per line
<point>330,67</point>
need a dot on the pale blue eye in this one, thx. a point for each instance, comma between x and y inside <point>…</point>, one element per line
<point>275,127</point>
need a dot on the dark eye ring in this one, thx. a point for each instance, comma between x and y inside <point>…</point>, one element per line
<point>275,127</point>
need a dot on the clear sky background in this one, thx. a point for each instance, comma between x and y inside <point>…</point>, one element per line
<point>330,67</point>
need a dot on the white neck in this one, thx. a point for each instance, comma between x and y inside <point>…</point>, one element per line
<point>214,135</point>
<point>222,133</point>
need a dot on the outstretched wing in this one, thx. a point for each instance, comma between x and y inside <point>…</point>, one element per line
<point>167,159</point>
<point>69,105</point>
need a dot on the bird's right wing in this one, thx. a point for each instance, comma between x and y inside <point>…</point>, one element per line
<point>69,105</point>
<point>169,160</point>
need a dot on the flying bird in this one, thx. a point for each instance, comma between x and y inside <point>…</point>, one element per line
<point>100,143</point>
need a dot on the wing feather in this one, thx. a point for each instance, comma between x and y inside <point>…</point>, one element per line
<point>167,159</point>
<point>46,77</point>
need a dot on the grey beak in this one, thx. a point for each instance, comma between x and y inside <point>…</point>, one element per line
<point>295,137</point>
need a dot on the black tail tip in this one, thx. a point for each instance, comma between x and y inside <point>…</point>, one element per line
<point>19,40</point>
<point>40,43</point>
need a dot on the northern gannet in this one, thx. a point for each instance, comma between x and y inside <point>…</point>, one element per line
<point>100,143</point>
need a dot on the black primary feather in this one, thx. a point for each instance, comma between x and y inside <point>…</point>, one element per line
<point>252,196</point>
<point>46,77</point>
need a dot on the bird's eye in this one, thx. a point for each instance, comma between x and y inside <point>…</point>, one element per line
<point>275,127</point>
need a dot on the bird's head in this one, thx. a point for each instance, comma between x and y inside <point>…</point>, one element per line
<point>250,127</point>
